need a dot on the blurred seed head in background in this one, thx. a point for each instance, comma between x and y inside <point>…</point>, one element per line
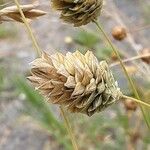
<point>119,33</point>
<point>78,12</point>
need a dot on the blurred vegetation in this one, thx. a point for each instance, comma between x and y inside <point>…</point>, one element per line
<point>145,95</point>
<point>146,12</point>
<point>86,39</point>
<point>40,111</point>
<point>1,3</point>
<point>7,32</point>
<point>1,78</point>
<point>91,41</point>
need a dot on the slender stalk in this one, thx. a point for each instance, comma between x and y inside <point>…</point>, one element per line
<point>35,44</point>
<point>136,100</point>
<point>39,52</point>
<point>74,143</point>
<point>140,28</point>
<point>130,59</point>
<point>117,54</point>
<point>123,67</point>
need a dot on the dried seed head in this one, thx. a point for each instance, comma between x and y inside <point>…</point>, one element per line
<point>119,33</point>
<point>12,13</point>
<point>78,12</point>
<point>77,81</point>
<point>130,105</point>
<point>146,51</point>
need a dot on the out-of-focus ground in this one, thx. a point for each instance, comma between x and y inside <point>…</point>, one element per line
<point>18,132</point>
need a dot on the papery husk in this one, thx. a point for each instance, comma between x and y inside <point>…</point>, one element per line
<point>78,82</point>
<point>12,13</point>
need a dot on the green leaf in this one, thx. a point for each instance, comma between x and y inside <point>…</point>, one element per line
<point>87,39</point>
<point>103,53</point>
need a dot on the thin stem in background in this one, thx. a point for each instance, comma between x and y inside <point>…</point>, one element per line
<point>136,100</point>
<point>123,67</point>
<point>139,28</point>
<point>69,128</point>
<point>39,51</point>
<point>130,59</point>
<point>35,44</point>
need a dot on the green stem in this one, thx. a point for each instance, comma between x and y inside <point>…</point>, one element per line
<point>74,143</point>
<point>122,65</point>
<point>39,52</point>
<point>136,100</point>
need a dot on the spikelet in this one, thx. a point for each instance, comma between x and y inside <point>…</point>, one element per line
<point>12,13</point>
<point>78,12</point>
<point>78,82</point>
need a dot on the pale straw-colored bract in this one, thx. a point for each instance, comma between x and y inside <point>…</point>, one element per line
<point>78,82</point>
<point>12,13</point>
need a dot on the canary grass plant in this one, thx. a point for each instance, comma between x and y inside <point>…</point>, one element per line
<point>76,81</point>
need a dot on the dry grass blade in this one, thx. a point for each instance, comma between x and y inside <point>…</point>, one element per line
<point>12,13</point>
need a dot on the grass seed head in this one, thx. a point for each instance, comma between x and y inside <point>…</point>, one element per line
<point>78,12</point>
<point>78,82</point>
